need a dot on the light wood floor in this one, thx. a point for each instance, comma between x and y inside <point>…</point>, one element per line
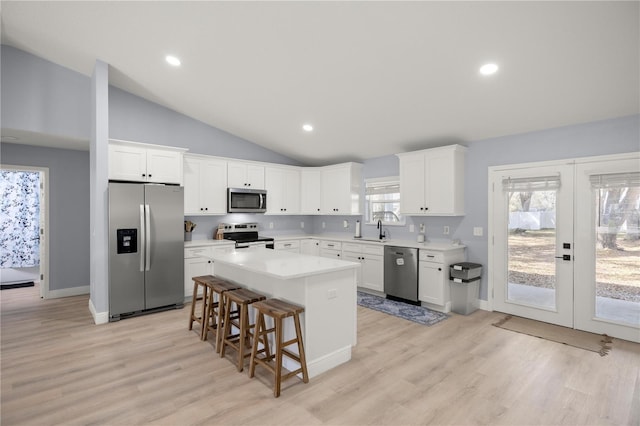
<point>59,368</point>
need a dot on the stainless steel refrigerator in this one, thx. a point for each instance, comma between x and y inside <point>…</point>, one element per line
<point>146,248</point>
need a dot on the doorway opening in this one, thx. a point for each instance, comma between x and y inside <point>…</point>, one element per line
<point>24,227</point>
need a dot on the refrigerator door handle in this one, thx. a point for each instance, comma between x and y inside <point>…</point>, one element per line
<point>142,238</point>
<point>147,243</point>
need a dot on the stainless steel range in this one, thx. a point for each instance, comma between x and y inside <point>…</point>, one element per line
<point>245,235</point>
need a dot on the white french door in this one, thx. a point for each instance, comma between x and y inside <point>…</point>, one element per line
<point>565,243</point>
<point>607,284</point>
<point>533,242</point>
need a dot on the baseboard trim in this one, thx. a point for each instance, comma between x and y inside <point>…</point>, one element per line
<point>98,317</point>
<point>484,305</point>
<point>67,292</point>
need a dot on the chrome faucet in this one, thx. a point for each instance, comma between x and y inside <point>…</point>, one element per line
<point>381,236</point>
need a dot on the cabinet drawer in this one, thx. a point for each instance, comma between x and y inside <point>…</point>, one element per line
<point>353,248</point>
<point>430,256</point>
<point>369,249</point>
<point>331,245</point>
<point>286,245</point>
<point>197,252</point>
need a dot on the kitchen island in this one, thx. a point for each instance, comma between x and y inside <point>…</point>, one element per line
<point>325,287</point>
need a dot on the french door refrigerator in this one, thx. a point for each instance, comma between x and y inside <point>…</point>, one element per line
<point>146,248</point>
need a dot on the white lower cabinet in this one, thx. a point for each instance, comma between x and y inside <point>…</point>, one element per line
<point>433,277</point>
<point>331,249</point>
<point>198,261</point>
<point>371,259</point>
<point>292,246</point>
<point>310,246</point>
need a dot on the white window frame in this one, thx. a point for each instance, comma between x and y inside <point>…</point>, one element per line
<point>381,181</point>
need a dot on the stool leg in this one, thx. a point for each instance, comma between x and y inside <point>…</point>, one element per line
<point>265,338</point>
<point>278,366</point>
<point>242,339</point>
<point>221,322</point>
<point>207,313</point>
<point>205,294</point>
<point>256,337</point>
<point>303,358</point>
<point>193,305</point>
<point>227,326</point>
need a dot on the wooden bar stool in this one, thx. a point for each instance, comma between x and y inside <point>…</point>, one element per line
<point>241,298</point>
<point>214,307</point>
<point>199,283</point>
<point>278,310</point>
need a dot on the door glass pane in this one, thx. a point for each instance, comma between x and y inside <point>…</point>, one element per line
<point>617,249</point>
<point>532,248</point>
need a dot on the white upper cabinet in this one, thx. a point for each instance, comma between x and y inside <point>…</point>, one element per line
<point>283,190</point>
<point>310,194</point>
<point>432,181</point>
<point>205,185</point>
<point>340,189</point>
<point>245,175</point>
<point>137,162</point>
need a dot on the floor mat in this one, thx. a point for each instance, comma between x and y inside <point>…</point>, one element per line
<point>417,314</point>
<point>599,343</point>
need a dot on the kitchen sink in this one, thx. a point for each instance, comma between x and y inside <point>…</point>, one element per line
<point>370,240</point>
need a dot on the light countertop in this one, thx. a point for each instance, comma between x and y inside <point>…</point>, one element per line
<point>427,245</point>
<point>281,264</point>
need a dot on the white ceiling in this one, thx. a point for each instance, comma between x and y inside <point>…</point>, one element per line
<point>374,78</point>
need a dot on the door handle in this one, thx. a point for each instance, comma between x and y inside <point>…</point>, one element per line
<point>142,238</point>
<point>564,257</point>
<point>147,243</point>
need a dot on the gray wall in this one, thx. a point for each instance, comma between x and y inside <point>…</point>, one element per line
<point>135,119</point>
<point>68,209</point>
<point>620,135</point>
<point>42,97</point>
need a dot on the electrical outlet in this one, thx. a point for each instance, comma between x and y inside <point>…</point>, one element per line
<point>332,293</point>
<point>302,225</point>
<point>324,225</point>
<point>478,231</point>
<point>412,228</point>
<point>422,228</point>
<point>270,225</point>
<point>446,230</point>
<point>345,224</point>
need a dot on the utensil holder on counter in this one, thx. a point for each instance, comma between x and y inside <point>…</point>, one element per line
<point>187,236</point>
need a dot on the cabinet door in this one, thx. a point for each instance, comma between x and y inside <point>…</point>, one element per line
<point>310,247</point>
<point>127,163</point>
<point>255,176</point>
<point>439,190</point>
<point>164,166</point>
<point>412,184</point>
<point>236,174</point>
<point>336,191</point>
<point>292,191</point>
<point>275,185</point>
<point>310,192</point>
<point>373,272</point>
<point>192,186</point>
<point>357,258</point>
<point>213,187</point>
<point>431,283</point>
<point>195,267</point>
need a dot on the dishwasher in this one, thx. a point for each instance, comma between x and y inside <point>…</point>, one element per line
<point>401,274</point>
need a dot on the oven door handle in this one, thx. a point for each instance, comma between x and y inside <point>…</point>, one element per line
<point>242,246</point>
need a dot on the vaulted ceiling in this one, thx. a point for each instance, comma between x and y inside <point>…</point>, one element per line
<point>373,78</point>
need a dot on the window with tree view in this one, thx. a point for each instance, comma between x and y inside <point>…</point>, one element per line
<point>383,201</point>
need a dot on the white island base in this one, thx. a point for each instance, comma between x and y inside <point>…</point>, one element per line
<point>325,287</point>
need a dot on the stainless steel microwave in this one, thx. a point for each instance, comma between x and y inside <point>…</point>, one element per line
<point>243,200</point>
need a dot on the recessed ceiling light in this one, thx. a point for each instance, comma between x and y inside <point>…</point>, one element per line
<point>307,127</point>
<point>488,69</point>
<point>172,60</point>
